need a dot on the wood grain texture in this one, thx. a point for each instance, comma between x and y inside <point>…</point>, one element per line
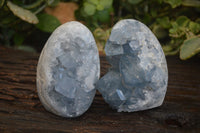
<point>21,110</point>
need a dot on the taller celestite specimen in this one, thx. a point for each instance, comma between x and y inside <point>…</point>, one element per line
<point>67,70</point>
<point>138,77</point>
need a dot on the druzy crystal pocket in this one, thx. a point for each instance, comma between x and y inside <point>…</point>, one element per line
<point>138,77</point>
<point>67,70</point>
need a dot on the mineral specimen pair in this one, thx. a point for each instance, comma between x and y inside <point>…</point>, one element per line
<point>68,69</point>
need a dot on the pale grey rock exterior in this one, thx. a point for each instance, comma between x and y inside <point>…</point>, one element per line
<point>138,77</point>
<point>67,70</point>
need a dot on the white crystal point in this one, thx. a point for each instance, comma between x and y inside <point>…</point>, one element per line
<point>138,77</point>
<point>67,70</point>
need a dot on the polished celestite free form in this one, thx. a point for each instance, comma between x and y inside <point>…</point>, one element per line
<point>138,77</point>
<point>67,70</point>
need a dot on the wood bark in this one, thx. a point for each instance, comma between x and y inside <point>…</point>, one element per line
<point>21,110</point>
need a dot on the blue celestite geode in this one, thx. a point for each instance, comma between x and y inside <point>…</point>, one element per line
<point>67,70</point>
<point>138,77</point>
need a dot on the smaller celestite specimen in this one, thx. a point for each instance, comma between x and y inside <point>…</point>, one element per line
<point>138,77</point>
<point>67,70</point>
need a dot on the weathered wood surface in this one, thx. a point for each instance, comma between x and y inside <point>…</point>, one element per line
<point>21,110</point>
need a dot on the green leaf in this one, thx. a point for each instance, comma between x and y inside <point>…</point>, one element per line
<point>106,3</point>
<point>82,13</point>
<point>47,23</point>
<point>89,9</point>
<point>24,14</point>
<point>18,39</point>
<point>179,27</point>
<point>95,2</point>
<point>32,5</point>
<point>174,3</point>
<point>159,31</point>
<point>134,1</point>
<point>167,48</point>
<point>183,21</point>
<point>164,22</point>
<point>173,52</point>
<point>53,2</point>
<point>176,31</point>
<point>100,7</point>
<point>49,2</point>
<point>174,28</point>
<point>189,48</point>
<point>192,3</point>
<point>103,16</point>
<point>194,27</point>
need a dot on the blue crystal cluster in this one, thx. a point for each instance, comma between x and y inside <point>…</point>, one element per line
<point>138,77</point>
<point>67,70</point>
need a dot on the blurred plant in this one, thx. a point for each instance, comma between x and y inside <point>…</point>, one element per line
<point>184,33</point>
<point>95,12</point>
<point>101,36</point>
<point>19,16</point>
<point>176,23</point>
<point>98,16</point>
<point>185,37</point>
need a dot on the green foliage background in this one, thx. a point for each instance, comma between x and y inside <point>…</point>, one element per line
<point>19,18</point>
<point>176,23</point>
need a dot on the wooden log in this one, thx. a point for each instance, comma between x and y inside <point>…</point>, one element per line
<point>21,110</point>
